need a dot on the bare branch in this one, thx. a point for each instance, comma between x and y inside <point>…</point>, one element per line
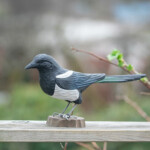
<point>96,146</point>
<point>66,144</point>
<point>136,107</point>
<point>105,146</point>
<point>94,55</point>
<point>61,145</point>
<point>88,146</point>
<point>145,93</point>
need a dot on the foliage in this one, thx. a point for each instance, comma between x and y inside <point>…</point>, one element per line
<point>116,54</point>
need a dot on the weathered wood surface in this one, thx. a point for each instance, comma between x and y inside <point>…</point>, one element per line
<point>73,121</point>
<point>37,131</point>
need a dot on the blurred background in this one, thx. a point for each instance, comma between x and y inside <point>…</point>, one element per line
<point>30,27</point>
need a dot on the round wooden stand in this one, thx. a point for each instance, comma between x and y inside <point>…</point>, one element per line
<point>72,122</point>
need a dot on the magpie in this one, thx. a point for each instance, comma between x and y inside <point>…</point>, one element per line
<point>68,85</point>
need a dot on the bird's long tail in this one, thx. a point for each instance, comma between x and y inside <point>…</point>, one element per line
<point>121,78</point>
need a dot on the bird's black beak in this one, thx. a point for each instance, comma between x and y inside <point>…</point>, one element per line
<point>31,65</point>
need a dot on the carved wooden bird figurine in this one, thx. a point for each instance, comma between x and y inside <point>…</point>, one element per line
<point>68,85</point>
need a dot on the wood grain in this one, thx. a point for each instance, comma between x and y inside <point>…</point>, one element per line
<point>37,131</point>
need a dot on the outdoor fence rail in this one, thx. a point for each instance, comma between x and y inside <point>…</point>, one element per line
<point>37,131</point>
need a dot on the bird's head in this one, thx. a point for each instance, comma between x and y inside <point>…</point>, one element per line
<point>43,62</point>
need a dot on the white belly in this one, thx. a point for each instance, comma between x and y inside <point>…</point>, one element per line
<point>70,95</point>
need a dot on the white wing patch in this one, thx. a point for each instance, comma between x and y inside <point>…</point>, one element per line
<point>65,75</point>
<point>70,95</point>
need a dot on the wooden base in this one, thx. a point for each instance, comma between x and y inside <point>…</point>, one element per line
<point>72,122</point>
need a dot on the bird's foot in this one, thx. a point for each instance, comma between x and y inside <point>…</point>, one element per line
<point>65,116</point>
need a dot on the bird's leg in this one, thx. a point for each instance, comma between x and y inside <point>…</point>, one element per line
<point>66,108</point>
<point>61,115</point>
<point>72,109</point>
<point>67,116</point>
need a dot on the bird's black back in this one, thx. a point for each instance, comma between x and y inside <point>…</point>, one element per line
<point>79,81</point>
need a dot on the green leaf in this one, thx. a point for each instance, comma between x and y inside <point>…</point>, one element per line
<point>114,55</point>
<point>129,67</point>
<point>120,57</point>
<point>145,79</point>
<point>121,63</point>
<point>115,52</point>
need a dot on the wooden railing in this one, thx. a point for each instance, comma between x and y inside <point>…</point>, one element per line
<point>37,131</point>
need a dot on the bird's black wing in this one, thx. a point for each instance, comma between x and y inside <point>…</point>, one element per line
<point>79,80</point>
